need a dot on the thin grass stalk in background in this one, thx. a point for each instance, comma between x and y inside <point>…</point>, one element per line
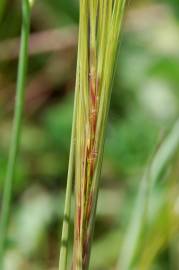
<point>2,9</point>
<point>100,24</point>
<point>143,200</point>
<point>17,125</point>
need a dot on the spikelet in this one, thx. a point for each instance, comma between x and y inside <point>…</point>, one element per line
<point>100,24</point>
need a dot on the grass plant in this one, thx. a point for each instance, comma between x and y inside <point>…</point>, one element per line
<point>17,126</point>
<point>99,29</point>
<point>2,8</point>
<point>154,221</point>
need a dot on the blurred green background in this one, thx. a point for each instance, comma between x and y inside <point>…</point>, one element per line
<point>145,103</point>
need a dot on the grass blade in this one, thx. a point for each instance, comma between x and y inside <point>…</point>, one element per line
<point>69,189</point>
<point>150,178</point>
<point>2,8</point>
<point>17,124</point>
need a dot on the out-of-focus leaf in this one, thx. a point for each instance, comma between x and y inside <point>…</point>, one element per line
<point>143,199</point>
<point>122,148</point>
<point>31,220</point>
<point>105,251</point>
<point>57,122</point>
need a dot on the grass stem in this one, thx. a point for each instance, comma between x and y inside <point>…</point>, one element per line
<point>2,9</point>
<point>67,209</point>
<point>100,24</point>
<point>63,259</point>
<point>17,126</point>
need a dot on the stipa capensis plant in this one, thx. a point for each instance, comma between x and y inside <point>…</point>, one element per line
<point>99,30</point>
<point>17,124</point>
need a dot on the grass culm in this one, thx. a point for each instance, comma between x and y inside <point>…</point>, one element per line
<point>99,29</point>
<point>17,127</point>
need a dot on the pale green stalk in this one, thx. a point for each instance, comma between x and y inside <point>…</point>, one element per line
<point>64,249</point>
<point>100,43</point>
<point>104,108</point>
<point>82,114</point>
<point>17,124</point>
<point>67,209</point>
<point>63,260</point>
